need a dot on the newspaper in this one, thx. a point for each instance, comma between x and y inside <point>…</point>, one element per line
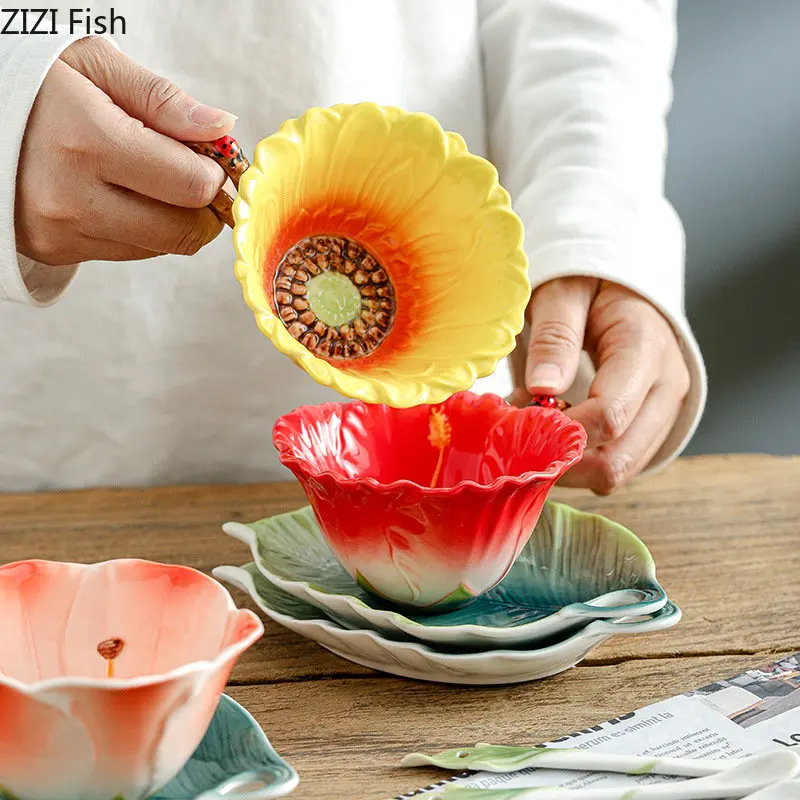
<point>756,711</point>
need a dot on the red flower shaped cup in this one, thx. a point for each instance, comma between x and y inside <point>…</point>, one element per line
<point>368,471</point>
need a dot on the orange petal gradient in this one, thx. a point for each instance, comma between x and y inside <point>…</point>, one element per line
<point>435,217</point>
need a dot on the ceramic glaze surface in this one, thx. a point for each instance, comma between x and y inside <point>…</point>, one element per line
<point>424,662</point>
<point>366,471</point>
<point>234,752</point>
<point>574,568</point>
<point>444,287</point>
<point>334,297</point>
<point>71,731</point>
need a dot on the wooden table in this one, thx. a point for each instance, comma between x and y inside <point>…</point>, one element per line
<point>724,531</point>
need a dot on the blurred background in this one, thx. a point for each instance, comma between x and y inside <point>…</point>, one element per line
<point>734,176</point>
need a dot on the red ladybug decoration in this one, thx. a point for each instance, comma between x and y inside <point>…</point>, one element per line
<point>548,401</point>
<point>226,146</point>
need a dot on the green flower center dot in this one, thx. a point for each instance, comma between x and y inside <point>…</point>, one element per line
<point>334,298</point>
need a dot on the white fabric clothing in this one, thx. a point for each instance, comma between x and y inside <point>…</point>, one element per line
<point>153,372</point>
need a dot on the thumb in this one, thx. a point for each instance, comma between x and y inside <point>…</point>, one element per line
<point>559,310</point>
<point>142,94</point>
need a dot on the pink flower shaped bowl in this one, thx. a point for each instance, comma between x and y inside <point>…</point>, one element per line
<point>428,506</point>
<point>109,674</point>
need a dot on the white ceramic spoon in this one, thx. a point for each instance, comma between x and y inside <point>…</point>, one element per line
<point>498,758</point>
<point>750,775</point>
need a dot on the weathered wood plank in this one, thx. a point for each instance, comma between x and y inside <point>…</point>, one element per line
<point>346,737</point>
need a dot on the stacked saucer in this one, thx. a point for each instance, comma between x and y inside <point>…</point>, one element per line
<point>579,580</point>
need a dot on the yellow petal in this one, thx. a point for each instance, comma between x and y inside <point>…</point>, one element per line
<point>464,283</point>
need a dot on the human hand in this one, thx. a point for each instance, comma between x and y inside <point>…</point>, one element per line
<point>641,379</point>
<point>101,175</point>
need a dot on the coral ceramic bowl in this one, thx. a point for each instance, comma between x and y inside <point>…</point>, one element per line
<point>110,674</point>
<point>378,253</point>
<point>428,507</point>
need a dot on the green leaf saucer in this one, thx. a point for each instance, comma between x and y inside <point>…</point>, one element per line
<point>441,664</point>
<point>234,759</point>
<point>575,568</point>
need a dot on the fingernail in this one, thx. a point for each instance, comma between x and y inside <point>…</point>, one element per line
<point>544,376</point>
<point>209,117</point>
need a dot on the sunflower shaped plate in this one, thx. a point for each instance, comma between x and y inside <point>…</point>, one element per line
<point>575,568</point>
<point>440,664</point>
<point>380,254</point>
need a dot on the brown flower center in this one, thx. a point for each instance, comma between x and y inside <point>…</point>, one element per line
<point>110,649</point>
<point>334,297</point>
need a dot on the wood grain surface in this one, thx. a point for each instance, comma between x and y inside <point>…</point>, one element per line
<point>724,531</point>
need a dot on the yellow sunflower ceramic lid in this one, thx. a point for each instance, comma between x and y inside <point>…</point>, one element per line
<point>380,254</point>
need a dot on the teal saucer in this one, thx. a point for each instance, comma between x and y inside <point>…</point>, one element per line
<point>439,663</point>
<point>234,759</point>
<point>575,568</point>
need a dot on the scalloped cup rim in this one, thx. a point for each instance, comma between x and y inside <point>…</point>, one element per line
<point>284,426</point>
<point>426,389</point>
<point>121,684</point>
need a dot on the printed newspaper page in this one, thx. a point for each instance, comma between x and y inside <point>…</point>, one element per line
<point>753,712</point>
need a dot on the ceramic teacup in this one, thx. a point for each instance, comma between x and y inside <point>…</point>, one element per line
<point>376,251</point>
<point>420,524</point>
<point>110,674</point>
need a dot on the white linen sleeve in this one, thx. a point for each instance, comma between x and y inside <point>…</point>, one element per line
<point>577,93</point>
<point>24,63</point>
